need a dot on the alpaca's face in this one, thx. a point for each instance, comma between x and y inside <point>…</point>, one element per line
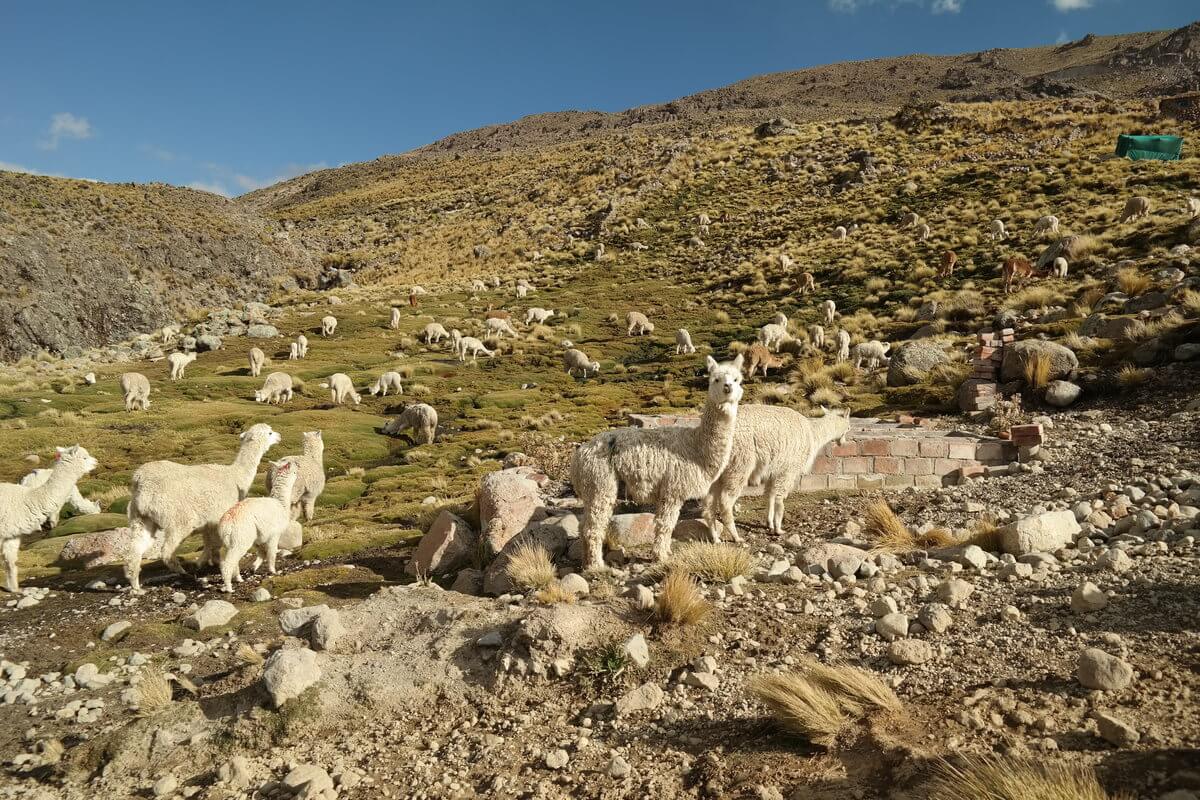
<point>725,381</point>
<point>76,458</point>
<point>262,434</point>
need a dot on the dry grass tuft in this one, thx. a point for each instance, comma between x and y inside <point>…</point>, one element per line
<point>853,687</point>
<point>1190,303</point>
<point>891,535</point>
<point>712,560</point>
<point>153,693</point>
<point>994,778</point>
<point>1131,376</point>
<point>1132,282</point>
<point>553,594</point>
<point>800,706</point>
<point>530,567</point>
<point>249,656</point>
<point>985,534</point>
<point>1037,371</point>
<point>680,601</point>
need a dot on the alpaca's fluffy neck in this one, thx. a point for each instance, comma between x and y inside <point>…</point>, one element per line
<point>715,436</point>
<point>281,490</point>
<point>246,463</point>
<point>314,450</point>
<point>52,494</point>
<point>824,430</point>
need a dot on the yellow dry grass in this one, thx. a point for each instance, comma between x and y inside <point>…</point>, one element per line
<point>711,560</point>
<point>529,566</point>
<point>995,778</point>
<point>891,535</point>
<point>680,601</point>
<point>553,594</point>
<point>1037,371</point>
<point>153,693</point>
<point>1132,282</point>
<point>1131,376</point>
<point>800,706</point>
<point>855,689</point>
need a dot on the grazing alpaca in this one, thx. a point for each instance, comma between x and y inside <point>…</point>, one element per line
<point>772,445</point>
<point>257,359</point>
<point>256,522</point>
<point>830,309</point>
<point>395,321</point>
<point>310,475</point>
<point>683,342</point>
<point>817,334</point>
<point>760,356</point>
<point>1015,270</point>
<point>949,259</point>
<point>1135,208</point>
<point>179,362</point>
<point>328,325</point>
<point>660,466</point>
<point>807,283</point>
<point>23,509</point>
<point>174,500</point>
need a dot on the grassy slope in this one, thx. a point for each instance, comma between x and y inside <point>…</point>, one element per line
<point>1008,161</point>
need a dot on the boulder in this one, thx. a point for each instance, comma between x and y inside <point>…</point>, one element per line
<point>325,629</point>
<point>954,592</point>
<point>1103,327</point>
<point>468,581</point>
<point>911,362</point>
<point>1063,363</point>
<point>1099,670</point>
<point>631,530</point>
<point>1041,533</point>
<point>448,546</point>
<point>115,631</point>
<point>208,342</point>
<point>288,673</point>
<point>1087,598</point>
<point>1146,302</point>
<point>1187,351</point>
<point>1115,730</point>
<point>1061,394</point>
<point>646,697</point>
<point>293,621</point>
<point>831,555</point>
<point>212,614</point>
<point>905,652</point>
<point>261,331</point>
<point>892,626</point>
<point>508,501</point>
<point>309,781</point>
<point>776,126</point>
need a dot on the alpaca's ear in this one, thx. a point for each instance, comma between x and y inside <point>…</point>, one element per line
<point>711,364</point>
<point>737,362</point>
<point>824,411</point>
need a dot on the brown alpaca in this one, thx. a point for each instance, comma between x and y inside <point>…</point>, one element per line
<point>760,356</point>
<point>1016,269</point>
<point>498,315</point>
<point>949,259</point>
<point>807,283</point>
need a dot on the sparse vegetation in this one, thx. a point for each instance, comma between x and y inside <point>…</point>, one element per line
<point>996,778</point>
<point>530,567</point>
<point>714,561</point>
<point>680,601</point>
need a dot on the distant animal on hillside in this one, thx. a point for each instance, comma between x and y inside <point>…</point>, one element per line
<point>276,389</point>
<point>168,333</point>
<point>395,321</point>
<point>341,389</point>
<point>1059,269</point>
<point>302,345</point>
<point>817,334</point>
<point>760,357</point>
<point>328,325</point>
<point>497,313</point>
<point>420,418</point>
<point>839,233</point>
<point>773,336</point>
<point>949,259</point>
<point>1046,224</point>
<point>996,230</point>
<point>474,347</point>
<point>785,262</point>
<point>1015,270</point>
<point>1135,208</point>
<point>843,345</point>
<point>910,219</point>
<point>638,324</point>
<point>923,231</point>
<point>538,315</point>
<point>830,309</point>
<point>807,283</point>
<point>478,286</point>
<point>873,353</point>
<point>136,388</point>
<point>388,380</point>
<point>500,327</point>
<point>577,361</point>
<point>1191,207</point>
<point>179,362</point>
<point>433,333</point>
<point>257,359</point>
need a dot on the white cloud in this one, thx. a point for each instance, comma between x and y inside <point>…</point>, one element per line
<point>160,153</point>
<point>1071,5</point>
<point>66,125</point>
<point>214,187</point>
<point>936,6</point>
<point>1062,38</point>
<point>946,6</point>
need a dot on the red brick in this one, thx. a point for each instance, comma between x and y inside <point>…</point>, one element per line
<point>963,450</point>
<point>886,465</point>
<point>874,447</point>
<point>855,465</point>
<point>935,448</point>
<point>918,466</point>
<point>843,450</point>
<point>824,465</point>
<point>904,447</point>
<point>1026,430</point>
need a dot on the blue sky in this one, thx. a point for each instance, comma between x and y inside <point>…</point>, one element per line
<point>231,96</point>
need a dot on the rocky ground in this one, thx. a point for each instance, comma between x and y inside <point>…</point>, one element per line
<point>1071,639</point>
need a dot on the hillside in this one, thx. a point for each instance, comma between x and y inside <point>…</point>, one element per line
<point>83,264</point>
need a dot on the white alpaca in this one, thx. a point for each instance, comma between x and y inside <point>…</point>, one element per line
<point>522,290</point>
<point>302,342</point>
<point>256,522</point>
<point>910,220</point>
<point>817,334</point>
<point>830,309</point>
<point>1060,267</point>
<point>1046,224</point>
<point>664,467</point>
<point>420,418</point>
<point>455,339</point>
<point>23,509</point>
<point>923,231</point>
<point>1135,208</point>
<point>328,325</point>
<point>839,233</point>
<point>472,346</point>
<point>843,345</point>
<point>395,321</point>
<point>293,352</point>
<point>683,342</point>
<point>478,286</point>
<point>577,361</point>
<point>257,359</point>
<point>433,333</point>
<point>136,388</point>
<point>538,315</point>
<point>39,477</point>
<point>772,447</point>
<point>996,230</point>
<point>498,327</point>
<point>172,501</point>
<point>638,324</point>
<point>873,353</point>
<point>388,380</point>
<point>1191,208</point>
<point>168,333</point>
<point>179,362</point>
<point>780,318</point>
<point>773,336</point>
<point>276,389</point>
<point>310,476</point>
<point>341,389</point>
<point>417,290</point>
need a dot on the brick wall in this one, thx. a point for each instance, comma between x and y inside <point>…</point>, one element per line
<point>886,455</point>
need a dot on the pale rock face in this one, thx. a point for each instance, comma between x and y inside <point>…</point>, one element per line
<point>288,673</point>
<point>1043,533</point>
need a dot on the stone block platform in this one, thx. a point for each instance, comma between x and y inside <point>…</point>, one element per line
<point>888,455</point>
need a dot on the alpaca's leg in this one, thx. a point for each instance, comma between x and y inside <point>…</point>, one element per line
<point>172,538</point>
<point>665,517</point>
<point>310,506</point>
<point>725,506</point>
<point>709,515</point>
<point>272,549</point>
<point>142,539</point>
<point>9,549</point>
<point>229,566</point>
<point>780,490</point>
<point>597,511</point>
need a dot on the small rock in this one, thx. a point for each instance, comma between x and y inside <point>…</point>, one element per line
<point>892,626</point>
<point>618,767</point>
<point>261,595</point>
<point>954,592</point>
<point>1116,731</point>
<point>575,584</point>
<point>1115,560</point>
<point>288,673</point>
<point>115,631</point>
<point>637,650</point>
<point>212,614</point>
<point>1088,598</point>
<point>164,786</point>
<point>557,759</point>
<point>909,651</point>
<point>1099,670</point>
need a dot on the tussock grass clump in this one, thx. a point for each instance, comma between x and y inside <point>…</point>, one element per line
<point>554,593</point>
<point>153,693</point>
<point>680,601</point>
<point>712,560</point>
<point>893,536</point>
<point>994,778</point>
<point>1037,371</point>
<point>1131,376</point>
<point>1132,282</point>
<point>1190,303</point>
<point>853,687</point>
<point>529,566</point>
<point>800,706</point>
<point>985,533</point>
